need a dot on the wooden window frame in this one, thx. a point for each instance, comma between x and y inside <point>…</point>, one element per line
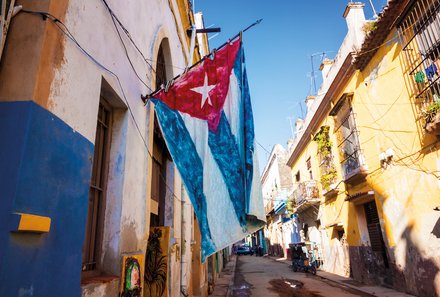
<point>92,247</point>
<point>309,167</point>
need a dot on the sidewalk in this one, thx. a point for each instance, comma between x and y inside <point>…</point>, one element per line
<point>226,279</point>
<point>353,284</point>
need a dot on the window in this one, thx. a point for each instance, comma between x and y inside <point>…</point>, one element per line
<point>420,31</point>
<point>297,177</point>
<point>158,181</point>
<point>309,168</point>
<point>160,152</point>
<point>161,74</point>
<point>98,185</point>
<point>347,138</point>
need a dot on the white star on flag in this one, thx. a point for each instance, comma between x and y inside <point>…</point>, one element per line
<point>204,90</point>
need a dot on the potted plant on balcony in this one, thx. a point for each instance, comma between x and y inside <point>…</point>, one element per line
<point>432,118</point>
<point>290,205</point>
<point>328,180</point>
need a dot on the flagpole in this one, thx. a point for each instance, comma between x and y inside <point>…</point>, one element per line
<point>146,97</point>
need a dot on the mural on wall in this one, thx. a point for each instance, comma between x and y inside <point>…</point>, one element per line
<point>156,262</point>
<point>131,284</point>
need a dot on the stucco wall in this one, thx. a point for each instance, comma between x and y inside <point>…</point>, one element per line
<point>405,190</point>
<point>45,164</point>
<point>406,193</point>
<point>42,65</point>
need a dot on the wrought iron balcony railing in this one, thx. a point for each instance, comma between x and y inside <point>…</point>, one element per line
<point>305,192</point>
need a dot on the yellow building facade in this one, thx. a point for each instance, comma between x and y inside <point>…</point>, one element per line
<point>368,143</point>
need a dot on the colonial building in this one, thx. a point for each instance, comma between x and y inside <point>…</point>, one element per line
<point>372,139</point>
<point>277,184</point>
<point>90,193</point>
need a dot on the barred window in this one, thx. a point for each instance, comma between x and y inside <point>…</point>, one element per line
<point>420,30</point>
<point>347,138</point>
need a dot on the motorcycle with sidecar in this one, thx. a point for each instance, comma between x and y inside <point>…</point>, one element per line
<point>300,261</point>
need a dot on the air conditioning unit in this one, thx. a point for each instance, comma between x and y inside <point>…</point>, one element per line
<point>7,11</point>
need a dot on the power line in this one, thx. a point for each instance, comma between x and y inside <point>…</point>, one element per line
<point>112,15</point>
<point>67,32</point>
<point>127,33</point>
<point>262,147</point>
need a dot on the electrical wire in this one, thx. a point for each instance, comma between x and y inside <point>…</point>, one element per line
<point>371,173</point>
<point>382,130</point>
<point>262,147</point>
<point>125,47</point>
<point>127,33</point>
<point>69,35</point>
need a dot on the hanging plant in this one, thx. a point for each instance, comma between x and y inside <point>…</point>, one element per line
<point>369,27</point>
<point>328,179</point>
<point>290,205</point>
<point>323,141</point>
<point>328,170</point>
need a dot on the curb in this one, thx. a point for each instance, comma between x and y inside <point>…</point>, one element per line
<point>347,285</point>
<point>328,279</point>
<point>231,281</point>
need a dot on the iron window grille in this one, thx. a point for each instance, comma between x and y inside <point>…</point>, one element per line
<point>347,137</point>
<point>420,31</point>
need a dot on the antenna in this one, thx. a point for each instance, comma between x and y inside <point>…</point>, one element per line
<point>312,75</point>
<point>312,78</point>
<point>374,10</point>
<point>291,127</point>
<point>302,111</point>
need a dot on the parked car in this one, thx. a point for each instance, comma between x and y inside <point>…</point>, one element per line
<point>244,250</point>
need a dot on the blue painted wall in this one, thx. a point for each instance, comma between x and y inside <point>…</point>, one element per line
<point>45,169</point>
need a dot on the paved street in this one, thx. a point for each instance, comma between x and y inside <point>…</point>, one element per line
<point>261,276</point>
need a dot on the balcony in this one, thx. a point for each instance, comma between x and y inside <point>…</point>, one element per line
<point>353,167</point>
<point>305,195</point>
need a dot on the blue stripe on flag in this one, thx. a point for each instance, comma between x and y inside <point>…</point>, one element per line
<point>249,132</point>
<point>225,151</point>
<point>249,138</point>
<point>190,166</point>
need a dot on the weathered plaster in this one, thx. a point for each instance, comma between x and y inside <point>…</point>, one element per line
<point>34,50</point>
<point>101,289</point>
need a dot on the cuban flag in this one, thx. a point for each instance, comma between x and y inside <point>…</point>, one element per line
<point>207,122</point>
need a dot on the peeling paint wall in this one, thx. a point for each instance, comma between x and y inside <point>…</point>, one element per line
<point>40,64</point>
<point>405,190</point>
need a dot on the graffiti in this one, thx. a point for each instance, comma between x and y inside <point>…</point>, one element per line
<point>156,262</point>
<point>132,276</point>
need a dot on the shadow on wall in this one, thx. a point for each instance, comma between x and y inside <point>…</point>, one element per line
<point>420,268</point>
<point>337,261</point>
<point>436,230</point>
<point>410,265</point>
<point>276,250</point>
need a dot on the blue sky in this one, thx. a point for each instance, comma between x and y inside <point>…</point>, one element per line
<point>278,53</point>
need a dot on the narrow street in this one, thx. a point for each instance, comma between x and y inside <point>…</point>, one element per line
<point>261,276</point>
